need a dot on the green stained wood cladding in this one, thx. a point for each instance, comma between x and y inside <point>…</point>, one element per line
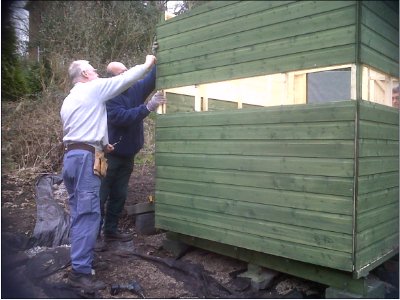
<point>316,183</point>
<point>377,221</point>
<point>380,36</point>
<point>281,180</point>
<point>180,103</point>
<point>224,40</point>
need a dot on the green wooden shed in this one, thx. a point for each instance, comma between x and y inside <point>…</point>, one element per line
<point>279,144</point>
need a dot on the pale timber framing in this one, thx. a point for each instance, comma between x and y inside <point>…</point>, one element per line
<point>284,88</point>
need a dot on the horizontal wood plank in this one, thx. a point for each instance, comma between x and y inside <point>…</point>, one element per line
<point>330,258</point>
<point>380,44</point>
<point>375,200</point>
<point>377,251</point>
<point>265,26</point>
<point>212,13</point>
<point>377,165</point>
<point>289,148</point>
<point>214,105</point>
<point>249,195</point>
<point>201,59</point>
<point>378,182</point>
<point>374,21</point>
<point>379,113</point>
<point>374,235</point>
<point>179,103</point>
<point>371,219</point>
<point>312,59</point>
<point>374,130</point>
<point>332,111</point>
<point>240,222</point>
<point>273,164</point>
<point>260,212</point>
<point>295,131</point>
<point>373,58</point>
<point>308,184</point>
<point>380,148</point>
<point>384,11</point>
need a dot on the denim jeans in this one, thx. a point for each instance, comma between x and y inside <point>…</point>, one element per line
<point>114,190</point>
<point>83,190</point>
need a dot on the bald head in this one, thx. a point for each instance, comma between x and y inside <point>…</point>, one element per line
<point>115,68</point>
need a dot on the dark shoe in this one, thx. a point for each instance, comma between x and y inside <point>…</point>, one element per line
<point>100,245</point>
<point>85,282</point>
<point>118,236</point>
<point>99,265</point>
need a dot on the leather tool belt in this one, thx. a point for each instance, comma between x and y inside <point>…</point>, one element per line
<point>100,164</point>
<point>81,146</point>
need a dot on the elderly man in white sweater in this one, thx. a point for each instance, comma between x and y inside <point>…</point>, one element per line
<point>84,119</point>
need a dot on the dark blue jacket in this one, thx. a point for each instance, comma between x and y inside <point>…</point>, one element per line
<point>125,114</point>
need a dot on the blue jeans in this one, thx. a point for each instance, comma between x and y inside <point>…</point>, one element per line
<point>114,190</point>
<point>84,202</point>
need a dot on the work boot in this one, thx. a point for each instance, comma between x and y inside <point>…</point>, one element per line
<point>117,236</point>
<point>85,282</point>
<point>99,266</point>
<point>100,245</point>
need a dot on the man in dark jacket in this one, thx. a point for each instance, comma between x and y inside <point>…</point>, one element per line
<point>125,114</point>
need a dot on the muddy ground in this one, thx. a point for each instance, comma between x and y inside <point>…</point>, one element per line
<point>41,272</point>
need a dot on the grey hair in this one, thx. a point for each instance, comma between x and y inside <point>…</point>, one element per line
<point>76,68</point>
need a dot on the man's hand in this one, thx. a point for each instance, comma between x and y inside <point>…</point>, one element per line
<point>108,148</point>
<point>150,61</point>
<point>155,101</point>
<point>154,47</point>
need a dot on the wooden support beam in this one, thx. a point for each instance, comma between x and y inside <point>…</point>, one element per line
<point>353,82</point>
<point>197,99</point>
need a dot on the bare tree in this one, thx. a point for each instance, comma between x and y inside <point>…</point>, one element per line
<point>99,31</point>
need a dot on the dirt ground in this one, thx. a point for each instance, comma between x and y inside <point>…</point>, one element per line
<point>27,273</point>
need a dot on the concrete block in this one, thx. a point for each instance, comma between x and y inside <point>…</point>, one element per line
<point>140,208</point>
<point>261,278</point>
<point>177,248</point>
<point>145,224</point>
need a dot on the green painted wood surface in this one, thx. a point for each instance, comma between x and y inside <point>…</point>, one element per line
<point>289,165</point>
<point>288,148</point>
<point>184,22</point>
<point>269,213</point>
<point>332,111</point>
<point>233,221</point>
<point>376,165</point>
<point>229,40</point>
<point>224,194</point>
<point>374,235</point>
<point>250,38</point>
<point>179,103</point>
<point>338,259</point>
<point>215,55</point>
<point>377,202</point>
<point>326,130</point>
<point>214,105</point>
<point>277,174</point>
<point>380,36</point>
<point>373,148</point>
<point>246,16</point>
<point>280,180</point>
<point>301,183</point>
<point>378,251</point>
<point>310,59</point>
